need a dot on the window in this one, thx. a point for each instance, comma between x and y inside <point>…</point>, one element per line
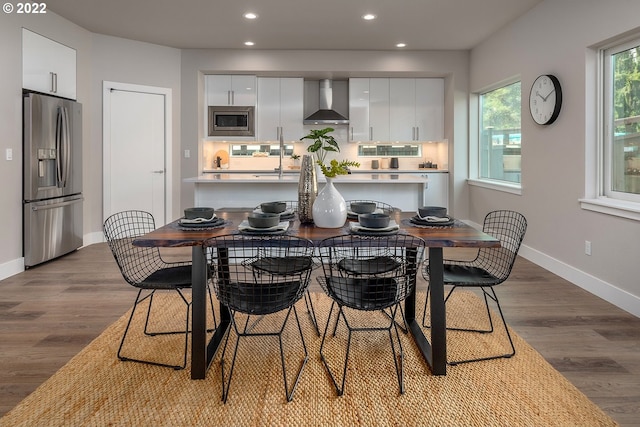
<point>376,150</point>
<point>500,138</point>
<point>259,150</point>
<point>621,117</point>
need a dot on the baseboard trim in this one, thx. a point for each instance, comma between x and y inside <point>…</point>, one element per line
<point>598,287</point>
<point>92,238</point>
<point>11,268</point>
<point>607,291</point>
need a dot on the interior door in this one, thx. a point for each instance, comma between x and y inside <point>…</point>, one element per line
<point>135,149</point>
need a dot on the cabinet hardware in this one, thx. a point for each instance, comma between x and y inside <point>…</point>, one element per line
<point>54,82</point>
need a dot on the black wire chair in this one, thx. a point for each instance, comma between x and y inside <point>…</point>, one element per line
<point>369,274</point>
<point>145,269</point>
<point>490,267</point>
<point>292,205</point>
<point>255,277</point>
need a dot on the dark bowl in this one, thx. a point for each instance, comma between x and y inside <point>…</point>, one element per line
<point>374,220</point>
<point>263,220</point>
<point>438,211</point>
<point>362,207</point>
<point>273,207</point>
<point>194,213</point>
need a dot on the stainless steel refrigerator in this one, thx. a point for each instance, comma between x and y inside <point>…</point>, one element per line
<point>52,183</point>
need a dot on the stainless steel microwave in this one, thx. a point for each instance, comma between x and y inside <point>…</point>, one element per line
<point>231,121</point>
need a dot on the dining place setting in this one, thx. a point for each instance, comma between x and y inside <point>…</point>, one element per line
<point>368,219</point>
<point>200,218</point>
<point>269,218</point>
<point>430,216</point>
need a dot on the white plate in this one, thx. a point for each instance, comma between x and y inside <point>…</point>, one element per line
<point>197,220</point>
<point>244,225</point>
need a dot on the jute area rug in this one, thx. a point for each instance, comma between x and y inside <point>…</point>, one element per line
<point>95,388</point>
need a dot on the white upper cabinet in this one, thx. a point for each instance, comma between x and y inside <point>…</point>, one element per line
<point>239,90</point>
<point>280,109</point>
<point>416,109</point>
<point>429,109</point>
<point>402,109</point>
<point>368,109</point>
<point>48,66</point>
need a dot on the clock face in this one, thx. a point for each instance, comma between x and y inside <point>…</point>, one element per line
<point>545,99</point>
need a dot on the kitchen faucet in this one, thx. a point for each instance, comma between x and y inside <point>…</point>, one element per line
<point>281,153</point>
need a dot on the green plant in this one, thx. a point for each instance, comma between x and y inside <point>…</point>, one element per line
<point>323,143</point>
<point>295,156</point>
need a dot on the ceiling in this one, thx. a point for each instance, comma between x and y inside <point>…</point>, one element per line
<point>296,24</point>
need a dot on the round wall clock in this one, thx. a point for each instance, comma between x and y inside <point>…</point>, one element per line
<point>545,99</point>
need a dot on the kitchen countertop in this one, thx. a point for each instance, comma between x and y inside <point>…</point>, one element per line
<point>290,178</point>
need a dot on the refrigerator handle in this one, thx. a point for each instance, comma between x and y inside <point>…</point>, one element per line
<point>67,145</point>
<point>59,146</point>
<point>56,205</point>
<point>63,146</point>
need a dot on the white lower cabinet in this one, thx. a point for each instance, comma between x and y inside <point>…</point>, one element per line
<point>437,191</point>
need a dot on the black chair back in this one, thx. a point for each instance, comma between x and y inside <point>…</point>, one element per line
<point>370,273</point>
<point>260,275</point>
<point>509,227</point>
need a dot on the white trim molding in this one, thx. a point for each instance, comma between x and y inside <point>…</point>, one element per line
<point>611,206</point>
<point>497,185</point>
<point>11,268</point>
<point>598,287</point>
<point>608,292</point>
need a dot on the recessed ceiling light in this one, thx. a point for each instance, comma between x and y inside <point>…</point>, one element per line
<point>251,15</point>
<point>249,43</point>
<point>401,45</point>
<point>368,16</point>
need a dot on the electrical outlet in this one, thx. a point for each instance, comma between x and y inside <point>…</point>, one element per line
<point>587,247</point>
<point>9,154</point>
<point>187,154</point>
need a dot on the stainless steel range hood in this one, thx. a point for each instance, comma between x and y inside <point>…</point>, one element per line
<point>326,115</point>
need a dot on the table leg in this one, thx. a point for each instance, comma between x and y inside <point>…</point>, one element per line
<point>201,352</point>
<point>435,353</point>
<point>438,314</point>
<point>198,314</point>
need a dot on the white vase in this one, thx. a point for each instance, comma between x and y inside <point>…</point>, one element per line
<point>329,208</point>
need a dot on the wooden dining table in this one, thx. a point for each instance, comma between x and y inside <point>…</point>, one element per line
<point>437,237</point>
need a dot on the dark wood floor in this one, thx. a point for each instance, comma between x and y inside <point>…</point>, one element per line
<point>50,312</point>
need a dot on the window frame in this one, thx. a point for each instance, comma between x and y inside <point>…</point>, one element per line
<point>608,121</point>
<point>475,141</point>
<point>598,197</point>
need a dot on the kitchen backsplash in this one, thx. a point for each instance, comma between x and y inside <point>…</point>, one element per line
<point>436,153</point>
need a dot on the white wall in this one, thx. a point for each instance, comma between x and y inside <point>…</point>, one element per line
<point>555,38</point>
<point>128,61</point>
